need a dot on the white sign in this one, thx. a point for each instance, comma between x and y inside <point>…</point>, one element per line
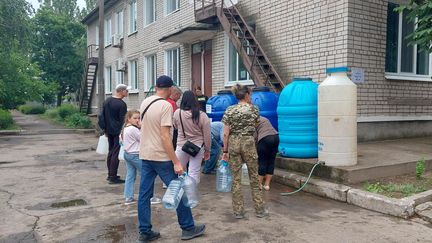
<point>357,75</point>
<point>208,109</point>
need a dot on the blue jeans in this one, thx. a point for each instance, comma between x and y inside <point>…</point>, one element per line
<point>133,164</point>
<point>210,164</point>
<point>165,170</point>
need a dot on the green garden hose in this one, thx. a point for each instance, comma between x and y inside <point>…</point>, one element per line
<point>301,188</point>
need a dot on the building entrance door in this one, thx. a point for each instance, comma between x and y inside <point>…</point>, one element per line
<point>202,67</point>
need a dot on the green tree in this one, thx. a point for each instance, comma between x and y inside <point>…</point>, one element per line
<point>420,12</point>
<point>90,5</point>
<point>59,50</point>
<point>18,75</point>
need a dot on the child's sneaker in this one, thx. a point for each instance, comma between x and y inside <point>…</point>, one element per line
<point>155,200</point>
<point>129,201</point>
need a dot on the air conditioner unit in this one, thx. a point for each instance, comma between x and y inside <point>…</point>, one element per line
<point>116,40</point>
<point>121,66</point>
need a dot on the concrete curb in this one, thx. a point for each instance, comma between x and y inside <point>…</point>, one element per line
<point>404,207</point>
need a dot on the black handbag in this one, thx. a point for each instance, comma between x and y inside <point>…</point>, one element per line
<point>189,147</point>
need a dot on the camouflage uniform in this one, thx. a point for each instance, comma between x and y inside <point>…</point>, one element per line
<point>242,119</point>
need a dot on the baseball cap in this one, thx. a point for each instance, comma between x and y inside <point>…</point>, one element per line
<point>164,82</point>
<point>121,87</point>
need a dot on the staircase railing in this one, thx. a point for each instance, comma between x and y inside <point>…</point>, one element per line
<point>246,34</point>
<point>83,92</point>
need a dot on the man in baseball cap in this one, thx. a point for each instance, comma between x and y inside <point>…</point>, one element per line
<point>164,82</point>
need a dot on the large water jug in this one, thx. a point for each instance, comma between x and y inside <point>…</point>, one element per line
<point>216,105</point>
<point>298,114</point>
<point>337,119</point>
<point>190,196</point>
<point>223,177</point>
<point>173,194</point>
<point>245,175</point>
<point>266,101</point>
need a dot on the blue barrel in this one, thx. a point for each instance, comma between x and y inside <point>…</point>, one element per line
<point>298,119</point>
<point>217,104</point>
<point>267,102</point>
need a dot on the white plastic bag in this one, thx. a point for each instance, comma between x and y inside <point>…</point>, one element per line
<point>121,152</point>
<point>102,147</point>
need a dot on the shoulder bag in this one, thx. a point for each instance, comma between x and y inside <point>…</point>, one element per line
<point>189,147</point>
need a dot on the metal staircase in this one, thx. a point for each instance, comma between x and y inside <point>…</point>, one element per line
<point>88,83</point>
<point>243,38</point>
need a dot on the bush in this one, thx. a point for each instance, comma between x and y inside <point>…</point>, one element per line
<point>5,119</point>
<point>420,168</point>
<point>78,120</point>
<point>66,110</point>
<point>52,113</point>
<point>32,109</point>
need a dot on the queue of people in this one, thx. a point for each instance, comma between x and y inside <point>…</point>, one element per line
<point>155,137</point>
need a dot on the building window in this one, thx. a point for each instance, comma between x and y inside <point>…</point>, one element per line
<point>401,57</point>
<point>119,22</point>
<point>171,6</point>
<point>149,12</point>
<point>119,72</point>
<point>133,74</point>
<point>235,69</point>
<point>172,65</point>
<point>149,72</point>
<point>108,33</point>
<point>108,80</point>
<point>132,17</point>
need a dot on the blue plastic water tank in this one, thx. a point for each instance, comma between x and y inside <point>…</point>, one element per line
<point>217,104</point>
<point>298,119</point>
<point>267,102</point>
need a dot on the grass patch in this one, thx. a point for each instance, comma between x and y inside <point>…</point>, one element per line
<point>6,121</point>
<point>399,190</point>
<point>69,116</point>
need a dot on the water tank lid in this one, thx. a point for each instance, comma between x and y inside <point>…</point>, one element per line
<point>302,78</point>
<point>337,70</point>
<point>261,89</point>
<point>224,92</point>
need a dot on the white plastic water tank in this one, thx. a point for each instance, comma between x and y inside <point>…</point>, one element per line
<point>337,119</point>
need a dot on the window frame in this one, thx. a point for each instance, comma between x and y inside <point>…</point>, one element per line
<point>120,26</point>
<point>227,63</point>
<point>399,75</point>
<point>173,11</point>
<point>133,68</point>
<point>108,83</point>
<point>147,83</point>
<point>132,7</point>
<point>108,35</point>
<point>119,75</point>
<point>145,13</point>
<point>169,70</point>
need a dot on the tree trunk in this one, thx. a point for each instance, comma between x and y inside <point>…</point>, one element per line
<point>59,99</point>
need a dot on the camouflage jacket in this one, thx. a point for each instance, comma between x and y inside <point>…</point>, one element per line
<point>242,119</point>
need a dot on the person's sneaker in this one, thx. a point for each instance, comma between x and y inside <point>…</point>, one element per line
<point>196,231</point>
<point>239,215</point>
<point>116,181</point>
<point>262,214</point>
<point>129,201</point>
<point>155,200</point>
<point>150,236</point>
<point>164,186</point>
<point>108,177</point>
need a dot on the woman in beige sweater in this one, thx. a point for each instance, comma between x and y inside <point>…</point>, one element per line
<point>195,129</point>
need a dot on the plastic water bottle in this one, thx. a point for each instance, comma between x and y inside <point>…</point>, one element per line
<point>244,175</point>
<point>223,177</point>
<point>190,197</point>
<point>173,194</point>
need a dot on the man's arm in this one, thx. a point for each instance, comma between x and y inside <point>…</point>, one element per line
<point>168,146</point>
<point>225,140</point>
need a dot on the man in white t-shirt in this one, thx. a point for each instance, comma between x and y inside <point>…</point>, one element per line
<point>158,158</point>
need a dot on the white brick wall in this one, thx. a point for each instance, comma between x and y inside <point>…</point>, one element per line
<point>301,38</point>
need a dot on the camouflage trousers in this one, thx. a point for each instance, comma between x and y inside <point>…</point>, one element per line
<point>242,150</point>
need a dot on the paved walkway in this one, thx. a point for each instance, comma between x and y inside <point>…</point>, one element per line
<point>39,170</point>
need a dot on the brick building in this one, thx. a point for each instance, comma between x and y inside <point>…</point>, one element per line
<point>147,38</point>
